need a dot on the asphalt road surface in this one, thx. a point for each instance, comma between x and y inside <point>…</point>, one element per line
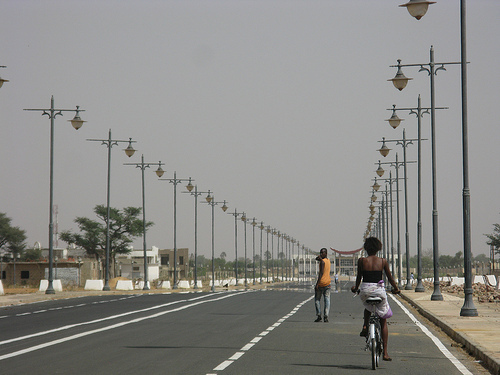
<point>245,332</point>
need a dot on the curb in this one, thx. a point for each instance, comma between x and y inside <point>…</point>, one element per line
<point>472,348</point>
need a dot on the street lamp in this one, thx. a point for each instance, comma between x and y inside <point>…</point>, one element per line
<point>211,201</point>
<point>195,194</point>
<point>419,112</point>
<point>432,71</point>
<point>261,227</point>
<point>404,144</point>
<point>77,123</point>
<point>176,181</point>
<point>417,8</point>
<point>129,151</point>
<point>268,230</point>
<point>159,172</point>
<point>1,79</point>
<point>244,219</point>
<point>235,214</point>
<point>254,223</point>
<point>468,308</point>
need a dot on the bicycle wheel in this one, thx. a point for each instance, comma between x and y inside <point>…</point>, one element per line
<point>374,353</point>
<point>380,344</point>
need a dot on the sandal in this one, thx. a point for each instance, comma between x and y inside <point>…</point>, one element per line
<point>387,358</point>
<point>364,332</point>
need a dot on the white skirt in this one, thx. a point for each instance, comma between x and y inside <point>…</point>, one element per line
<point>383,310</point>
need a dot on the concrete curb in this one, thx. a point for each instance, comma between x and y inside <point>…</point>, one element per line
<point>473,348</point>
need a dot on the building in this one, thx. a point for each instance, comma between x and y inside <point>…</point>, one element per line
<point>167,265</point>
<point>132,265</point>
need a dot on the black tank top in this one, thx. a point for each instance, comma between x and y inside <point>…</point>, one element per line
<point>372,276</point>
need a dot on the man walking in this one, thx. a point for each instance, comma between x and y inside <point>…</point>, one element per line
<point>322,287</point>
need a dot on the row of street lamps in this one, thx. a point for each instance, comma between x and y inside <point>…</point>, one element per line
<point>109,142</point>
<point>418,8</point>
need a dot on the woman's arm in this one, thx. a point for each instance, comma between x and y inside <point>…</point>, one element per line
<point>358,276</point>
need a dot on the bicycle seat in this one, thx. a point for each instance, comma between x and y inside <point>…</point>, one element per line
<point>373,300</point>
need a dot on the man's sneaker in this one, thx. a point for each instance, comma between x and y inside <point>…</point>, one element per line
<point>326,319</point>
<point>318,319</point>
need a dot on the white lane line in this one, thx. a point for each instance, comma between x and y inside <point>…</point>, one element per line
<point>117,325</point>
<point>95,321</point>
<point>434,339</point>
<point>256,339</point>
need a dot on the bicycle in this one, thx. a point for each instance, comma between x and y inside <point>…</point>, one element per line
<point>374,338</point>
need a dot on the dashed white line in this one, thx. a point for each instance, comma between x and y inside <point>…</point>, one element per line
<point>256,339</point>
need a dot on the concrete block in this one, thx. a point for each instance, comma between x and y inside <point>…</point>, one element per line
<point>94,285</point>
<point>2,292</point>
<point>241,281</point>
<point>199,284</point>
<point>232,282</point>
<point>164,285</point>
<point>140,285</point>
<point>184,284</point>
<point>124,285</point>
<point>56,284</point>
<point>457,280</point>
<point>478,279</point>
<point>492,280</point>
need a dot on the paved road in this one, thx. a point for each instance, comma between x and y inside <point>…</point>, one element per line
<point>244,332</point>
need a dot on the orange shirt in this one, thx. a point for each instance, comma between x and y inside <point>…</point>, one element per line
<point>325,278</point>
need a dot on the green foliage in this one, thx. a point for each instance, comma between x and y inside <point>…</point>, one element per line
<point>32,255</point>
<point>124,226</point>
<point>494,238</point>
<point>12,239</point>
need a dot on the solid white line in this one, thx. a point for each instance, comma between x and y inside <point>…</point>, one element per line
<point>96,321</point>
<point>434,339</point>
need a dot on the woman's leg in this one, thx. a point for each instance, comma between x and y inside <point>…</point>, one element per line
<point>385,337</point>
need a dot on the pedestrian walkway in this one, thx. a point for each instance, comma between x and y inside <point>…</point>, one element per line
<point>479,335</point>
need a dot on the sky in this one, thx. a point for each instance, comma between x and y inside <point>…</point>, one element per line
<point>276,106</point>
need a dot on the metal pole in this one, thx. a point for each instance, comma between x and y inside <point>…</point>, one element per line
<point>213,203</point>
<point>420,286</point>
<point>196,237</point>
<point>253,245</point>
<point>400,260</point>
<point>407,235</point>
<point>261,229</point>
<point>175,230</point>
<point>50,287</point>
<point>106,275</point>
<point>392,224</point>
<point>436,295</point>
<point>468,309</point>
<point>245,262</point>
<point>146,286</point>
<point>267,253</point>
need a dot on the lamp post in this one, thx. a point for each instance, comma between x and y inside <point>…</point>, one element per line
<point>195,194</point>
<point>211,201</point>
<point>261,227</point>
<point>394,121</point>
<point>404,142</point>
<point>176,181</point>
<point>400,84</point>
<point>254,223</point>
<point>159,172</point>
<point>77,123</point>
<point>235,214</point>
<point>268,254</point>
<point>468,308</point>
<point>396,164</point>
<point>129,151</point>
<point>1,79</point>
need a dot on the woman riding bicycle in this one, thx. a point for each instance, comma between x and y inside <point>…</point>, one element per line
<point>370,269</point>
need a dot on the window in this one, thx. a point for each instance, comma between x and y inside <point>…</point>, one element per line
<point>25,275</point>
<point>181,260</point>
<point>164,260</point>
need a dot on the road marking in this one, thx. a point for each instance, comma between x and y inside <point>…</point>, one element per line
<point>434,339</point>
<point>96,321</point>
<point>103,329</point>
<point>256,339</point>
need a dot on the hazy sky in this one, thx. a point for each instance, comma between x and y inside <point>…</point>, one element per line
<point>277,106</point>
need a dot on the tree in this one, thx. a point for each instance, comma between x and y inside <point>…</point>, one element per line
<point>223,255</point>
<point>124,226</point>
<point>494,238</point>
<point>12,239</point>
